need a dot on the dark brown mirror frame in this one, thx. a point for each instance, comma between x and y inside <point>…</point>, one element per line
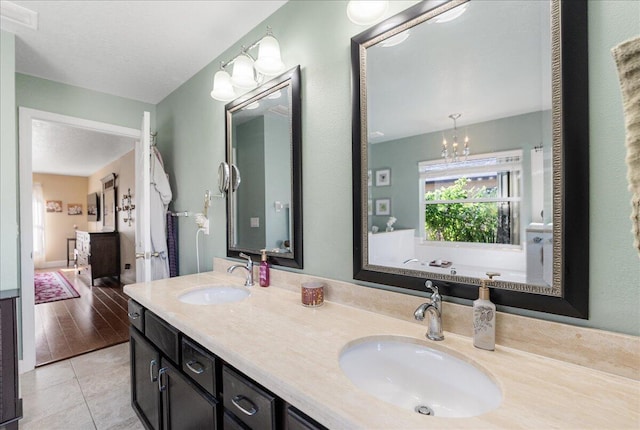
<point>574,177</point>
<point>293,76</point>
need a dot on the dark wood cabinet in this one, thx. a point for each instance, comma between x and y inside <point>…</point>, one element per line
<point>99,252</point>
<point>163,397</point>
<point>176,384</point>
<point>10,403</point>
<point>185,406</point>
<point>145,395</point>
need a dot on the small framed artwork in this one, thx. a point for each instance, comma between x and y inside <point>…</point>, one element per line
<point>54,205</point>
<point>74,209</point>
<point>370,207</point>
<point>369,178</point>
<point>383,207</point>
<point>383,177</point>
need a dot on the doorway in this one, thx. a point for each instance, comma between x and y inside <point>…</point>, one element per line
<point>27,117</point>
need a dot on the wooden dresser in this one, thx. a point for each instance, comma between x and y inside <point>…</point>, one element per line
<point>99,252</point>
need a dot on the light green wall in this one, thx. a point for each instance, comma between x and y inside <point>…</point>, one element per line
<point>277,183</point>
<point>63,99</point>
<point>614,266</point>
<point>250,193</point>
<point>316,35</point>
<point>8,166</point>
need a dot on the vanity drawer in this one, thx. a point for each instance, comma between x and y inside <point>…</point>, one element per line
<point>164,336</point>
<point>247,401</point>
<point>200,366</point>
<point>229,422</point>
<point>136,315</point>
<point>296,420</point>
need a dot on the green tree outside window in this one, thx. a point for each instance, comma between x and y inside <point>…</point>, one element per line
<point>461,222</point>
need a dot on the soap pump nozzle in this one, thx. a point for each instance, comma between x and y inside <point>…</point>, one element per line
<point>484,289</point>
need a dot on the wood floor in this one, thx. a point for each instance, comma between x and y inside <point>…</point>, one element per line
<point>95,320</point>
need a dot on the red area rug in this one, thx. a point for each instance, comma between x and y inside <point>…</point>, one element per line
<point>53,286</point>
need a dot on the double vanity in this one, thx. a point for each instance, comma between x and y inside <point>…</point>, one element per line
<point>323,367</point>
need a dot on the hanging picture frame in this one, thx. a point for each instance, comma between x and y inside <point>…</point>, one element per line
<point>383,207</point>
<point>383,177</point>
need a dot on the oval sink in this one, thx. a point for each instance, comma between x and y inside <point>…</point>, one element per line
<point>411,375</point>
<point>214,294</point>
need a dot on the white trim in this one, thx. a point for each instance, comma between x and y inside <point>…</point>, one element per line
<point>27,299</point>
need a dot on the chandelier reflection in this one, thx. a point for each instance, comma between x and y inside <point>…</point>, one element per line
<point>454,155</point>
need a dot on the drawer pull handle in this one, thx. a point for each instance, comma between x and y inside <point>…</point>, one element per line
<point>195,367</point>
<point>152,364</point>
<point>134,316</point>
<point>161,386</point>
<point>239,398</point>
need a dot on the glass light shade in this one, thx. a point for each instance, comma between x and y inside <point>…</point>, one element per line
<point>366,12</point>
<point>222,88</point>
<point>451,14</point>
<point>269,61</point>
<point>243,76</point>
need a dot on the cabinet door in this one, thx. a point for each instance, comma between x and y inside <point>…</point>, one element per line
<point>145,395</point>
<point>186,407</point>
<point>296,420</point>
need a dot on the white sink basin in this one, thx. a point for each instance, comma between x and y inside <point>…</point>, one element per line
<point>214,294</point>
<point>409,374</point>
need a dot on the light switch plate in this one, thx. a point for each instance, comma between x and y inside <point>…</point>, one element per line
<point>255,222</point>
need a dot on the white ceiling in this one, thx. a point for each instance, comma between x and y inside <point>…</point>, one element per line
<point>142,50</point>
<point>61,149</point>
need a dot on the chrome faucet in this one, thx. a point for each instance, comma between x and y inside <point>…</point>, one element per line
<point>248,267</point>
<point>434,308</point>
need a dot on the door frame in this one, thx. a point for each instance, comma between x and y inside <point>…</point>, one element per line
<point>27,295</point>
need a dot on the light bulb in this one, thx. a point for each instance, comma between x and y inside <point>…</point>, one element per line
<point>269,61</point>
<point>243,76</point>
<point>222,88</point>
<point>366,12</point>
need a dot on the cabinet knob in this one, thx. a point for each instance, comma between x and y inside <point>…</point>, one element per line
<point>161,386</point>
<point>253,409</point>
<point>152,364</point>
<point>195,367</point>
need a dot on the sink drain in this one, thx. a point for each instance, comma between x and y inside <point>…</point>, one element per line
<point>424,410</point>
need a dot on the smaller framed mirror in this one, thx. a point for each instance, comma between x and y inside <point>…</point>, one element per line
<point>263,172</point>
<point>109,203</point>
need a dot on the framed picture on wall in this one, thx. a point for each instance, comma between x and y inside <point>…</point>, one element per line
<point>74,209</point>
<point>383,207</point>
<point>54,205</point>
<point>383,177</point>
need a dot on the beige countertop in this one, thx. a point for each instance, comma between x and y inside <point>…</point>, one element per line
<point>293,351</point>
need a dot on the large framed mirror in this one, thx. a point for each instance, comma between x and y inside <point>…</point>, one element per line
<point>470,151</point>
<point>264,150</point>
<point>109,219</point>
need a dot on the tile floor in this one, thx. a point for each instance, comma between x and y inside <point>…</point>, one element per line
<point>90,391</point>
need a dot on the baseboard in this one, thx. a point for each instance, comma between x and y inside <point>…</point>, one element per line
<point>127,278</point>
<point>51,264</point>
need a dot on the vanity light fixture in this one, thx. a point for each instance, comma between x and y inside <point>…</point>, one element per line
<point>248,73</point>
<point>454,155</point>
<point>366,12</point>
